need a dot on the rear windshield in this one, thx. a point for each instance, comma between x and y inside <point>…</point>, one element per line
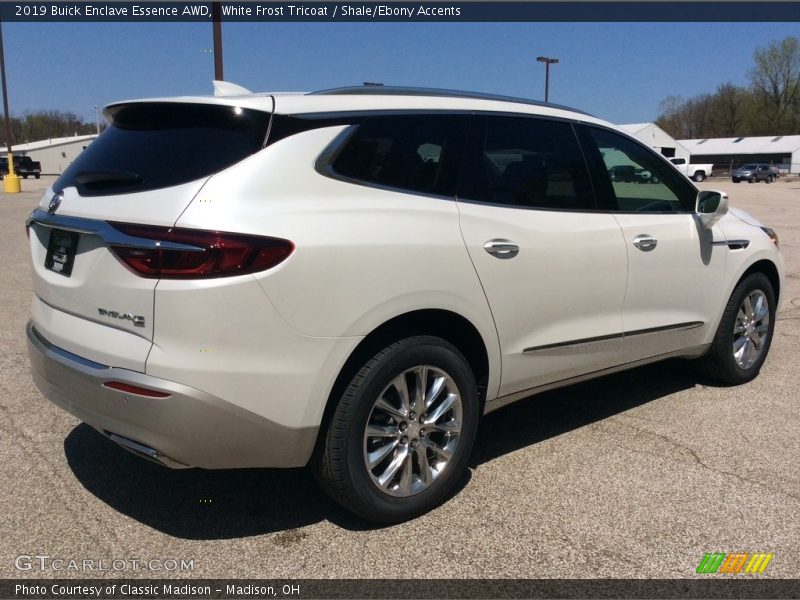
<point>157,145</point>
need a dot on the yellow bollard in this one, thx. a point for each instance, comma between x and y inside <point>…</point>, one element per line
<point>11,182</point>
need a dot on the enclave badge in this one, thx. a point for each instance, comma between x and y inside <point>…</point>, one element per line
<point>55,202</point>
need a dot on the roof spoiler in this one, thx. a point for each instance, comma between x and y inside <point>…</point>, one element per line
<point>226,88</point>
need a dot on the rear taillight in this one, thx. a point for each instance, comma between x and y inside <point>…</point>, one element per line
<point>209,253</point>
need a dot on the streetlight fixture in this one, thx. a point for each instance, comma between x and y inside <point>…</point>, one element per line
<point>547,62</point>
<point>97,118</point>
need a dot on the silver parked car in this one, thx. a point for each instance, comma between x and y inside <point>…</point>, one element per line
<point>754,172</point>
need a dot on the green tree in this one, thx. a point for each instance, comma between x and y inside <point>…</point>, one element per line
<point>43,125</point>
<point>769,106</point>
<point>775,79</point>
<point>731,111</point>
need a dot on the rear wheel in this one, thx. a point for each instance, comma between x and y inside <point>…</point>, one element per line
<point>402,432</point>
<point>744,335</point>
<point>699,176</point>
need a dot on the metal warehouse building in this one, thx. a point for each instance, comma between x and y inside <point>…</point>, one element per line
<point>55,154</point>
<point>783,151</point>
<point>658,139</point>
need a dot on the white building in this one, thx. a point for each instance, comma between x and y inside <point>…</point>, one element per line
<point>55,154</point>
<point>782,151</point>
<point>658,139</point>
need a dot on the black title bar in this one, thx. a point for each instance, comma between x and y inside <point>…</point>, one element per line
<point>248,11</point>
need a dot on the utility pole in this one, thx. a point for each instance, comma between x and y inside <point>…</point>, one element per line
<point>547,62</point>
<point>11,183</point>
<point>216,17</point>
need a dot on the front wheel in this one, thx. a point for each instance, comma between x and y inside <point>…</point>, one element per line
<point>402,432</point>
<point>744,335</point>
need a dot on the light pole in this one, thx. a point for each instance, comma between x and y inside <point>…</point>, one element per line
<point>216,17</point>
<point>11,183</point>
<point>97,118</point>
<point>547,62</point>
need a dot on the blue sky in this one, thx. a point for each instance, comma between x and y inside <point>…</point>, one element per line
<point>617,71</point>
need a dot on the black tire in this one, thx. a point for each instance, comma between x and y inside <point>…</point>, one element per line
<point>36,176</point>
<point>339,462</point>
<point>24,176</point>
<point>719,362</point>
<point>750,180</point>
<point>699,176</point>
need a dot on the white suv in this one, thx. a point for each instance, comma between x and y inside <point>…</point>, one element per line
<point>351,278</point>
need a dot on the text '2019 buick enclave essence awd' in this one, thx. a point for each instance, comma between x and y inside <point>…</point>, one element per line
<point>351,278</point>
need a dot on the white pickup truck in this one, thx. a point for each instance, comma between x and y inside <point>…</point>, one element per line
<point>696,172</point>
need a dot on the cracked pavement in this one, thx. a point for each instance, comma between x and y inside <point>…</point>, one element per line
<point>634,475</point>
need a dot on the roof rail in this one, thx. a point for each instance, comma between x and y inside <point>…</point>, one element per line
<point>374,90</point>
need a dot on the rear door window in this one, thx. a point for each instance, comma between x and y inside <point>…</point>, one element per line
<point>156,145</point>
<point>526,162</point>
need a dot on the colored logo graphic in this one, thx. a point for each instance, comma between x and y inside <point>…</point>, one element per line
<point>735,562</point>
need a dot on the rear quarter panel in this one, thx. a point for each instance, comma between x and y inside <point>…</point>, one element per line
<point>363,255</point>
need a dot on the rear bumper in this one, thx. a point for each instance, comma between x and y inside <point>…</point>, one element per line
<point>187,428</point>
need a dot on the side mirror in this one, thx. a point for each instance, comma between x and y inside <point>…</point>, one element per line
<point>711,206</point>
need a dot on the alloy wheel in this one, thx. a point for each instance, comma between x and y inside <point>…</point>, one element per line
<point>751,329</point>
<point>412,431</point>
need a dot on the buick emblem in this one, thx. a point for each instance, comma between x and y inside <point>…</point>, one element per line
<point>55,202</point>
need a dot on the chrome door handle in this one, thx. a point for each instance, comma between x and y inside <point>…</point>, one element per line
<point>645,242</point>
<point>501,248</point>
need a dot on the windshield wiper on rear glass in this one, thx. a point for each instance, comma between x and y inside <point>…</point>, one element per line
<point>107,178</point>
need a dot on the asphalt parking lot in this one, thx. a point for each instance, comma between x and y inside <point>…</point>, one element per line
<point>633,475</point>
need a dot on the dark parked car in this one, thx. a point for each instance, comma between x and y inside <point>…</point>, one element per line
<point>24,166</point>
<point>645,176</point>
<point>753,172</point>
<point>625,173</point>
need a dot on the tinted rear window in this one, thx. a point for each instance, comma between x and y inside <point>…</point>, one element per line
<point>528,163</point>
<point>157,145</point>
<point>419,153</point>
